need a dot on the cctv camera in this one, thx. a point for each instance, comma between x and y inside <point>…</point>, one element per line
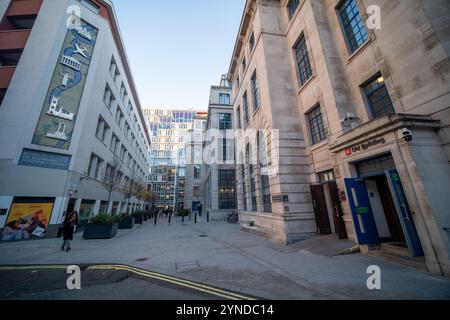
<point>406,134</point>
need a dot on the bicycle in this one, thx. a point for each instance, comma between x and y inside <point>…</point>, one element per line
<point>232,218</point>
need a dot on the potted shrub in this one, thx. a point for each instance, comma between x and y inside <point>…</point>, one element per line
<point>127,222</point>
<point>138,217</point>
<point>102,226</point>
<point>146,215</point>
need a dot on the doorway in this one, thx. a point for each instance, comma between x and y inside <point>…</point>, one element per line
<point>386,218</point>
<point>327,209</point>
<point>380,210</point>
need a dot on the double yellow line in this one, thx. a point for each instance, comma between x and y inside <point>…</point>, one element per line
<point>148,274</point>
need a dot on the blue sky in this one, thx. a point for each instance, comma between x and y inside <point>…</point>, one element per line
<point>178,49</point>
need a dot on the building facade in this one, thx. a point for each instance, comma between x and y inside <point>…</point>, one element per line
<point>193,191</point>
<point>168,129</point>
<point>369,107</point>
<point>72,132</point>
<point>219,177</point>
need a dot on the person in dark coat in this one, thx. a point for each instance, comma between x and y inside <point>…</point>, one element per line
<point>69,225</point>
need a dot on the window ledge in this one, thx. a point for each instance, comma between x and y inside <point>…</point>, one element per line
<point>319,145</point>
<point>300,89</point>
<point>359,50</point>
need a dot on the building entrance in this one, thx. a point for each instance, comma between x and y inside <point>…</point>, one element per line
<point>328,210</point>
<point>379,206</point>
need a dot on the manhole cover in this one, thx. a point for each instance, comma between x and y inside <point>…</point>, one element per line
<point>141,259</point>
<point>203,236</point>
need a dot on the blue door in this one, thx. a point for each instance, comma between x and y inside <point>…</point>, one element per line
<point>365,227</point>
<point>404,212</point>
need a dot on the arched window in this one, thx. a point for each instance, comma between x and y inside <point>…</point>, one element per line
<point>264,172</point>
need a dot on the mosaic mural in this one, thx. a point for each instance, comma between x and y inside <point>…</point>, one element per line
<point>57,120</point>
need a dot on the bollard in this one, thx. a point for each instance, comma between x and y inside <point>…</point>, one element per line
<point>170,217</point>
<point>182,219</point>
<point>195,217</point>
<point>156,216</point>
<point>207,216</point>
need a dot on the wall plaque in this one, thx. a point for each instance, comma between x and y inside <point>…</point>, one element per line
<point>41,159</point>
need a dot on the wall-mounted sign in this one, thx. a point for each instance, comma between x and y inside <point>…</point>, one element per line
<point>285,198</point>
<point>57,120</point>
<point>3,212</point>
<point>277,198</point>
<point>41,159</point>
<point>365,146</point>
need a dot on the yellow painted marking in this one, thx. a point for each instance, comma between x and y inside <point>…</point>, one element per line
<point>145,273</point>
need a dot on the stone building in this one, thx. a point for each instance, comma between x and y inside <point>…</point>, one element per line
<point>363,114</point>
<point>219,154</point>
<point>193,190</point>
<point>70,117</point>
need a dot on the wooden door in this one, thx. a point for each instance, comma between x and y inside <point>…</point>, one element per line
<point>320,209</point>
<point>337,210</point>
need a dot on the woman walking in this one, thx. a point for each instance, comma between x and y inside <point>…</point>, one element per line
<point>69,225</point>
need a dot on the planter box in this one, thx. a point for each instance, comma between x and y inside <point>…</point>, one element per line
<point>145,217</point>
<point>138,220</point>
<point>100,231</point>
<point>127,223</point>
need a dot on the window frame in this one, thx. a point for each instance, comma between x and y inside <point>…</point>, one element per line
<point>347,38</point>
<point>305,60</point>
<point>313,124</point>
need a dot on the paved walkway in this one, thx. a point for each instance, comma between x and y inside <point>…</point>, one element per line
<point>219,254</point>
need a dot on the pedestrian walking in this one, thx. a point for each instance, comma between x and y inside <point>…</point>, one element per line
<point>69,225</point>
<point>200,209</point>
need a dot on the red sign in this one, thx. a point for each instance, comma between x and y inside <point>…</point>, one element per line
<point>348,152</point>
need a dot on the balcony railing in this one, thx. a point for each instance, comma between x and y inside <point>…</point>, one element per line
<point>6,74</point>
<point>13,39</point>
<point>20,8</point>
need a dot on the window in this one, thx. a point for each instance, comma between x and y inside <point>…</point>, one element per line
<point>245,104</point>
<point>353,25</point>
<point>264,173</point>
<point>238,83</point>
<point>108,97</point>
<point>252,42</point>
<point>378,97</point>
<point>326,176</point>
<point>244,186</point>
<point>119,116</point>
<point>225,122</point>
<point>238,117</point>
<point>227,195</point>
<point>95,166</point>
<point>256,94</point>
<point>244,65</point>
<point>224,98</point>
<point>112,67</point>
<point>197,171</point>
<point>252,180</point>
<point>303,64</point>
<point>102,129</point>
<point>316,125</point>
<point>91,6</point>
<point>115,142</point>
<point>292,7</point>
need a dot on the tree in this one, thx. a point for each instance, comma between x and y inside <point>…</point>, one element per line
<point>139,191</point>
<point>113,176</point>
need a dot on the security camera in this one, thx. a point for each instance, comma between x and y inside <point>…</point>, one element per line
<point>406,134</point>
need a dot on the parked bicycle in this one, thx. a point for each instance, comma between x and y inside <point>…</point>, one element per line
<point>232,218</point>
